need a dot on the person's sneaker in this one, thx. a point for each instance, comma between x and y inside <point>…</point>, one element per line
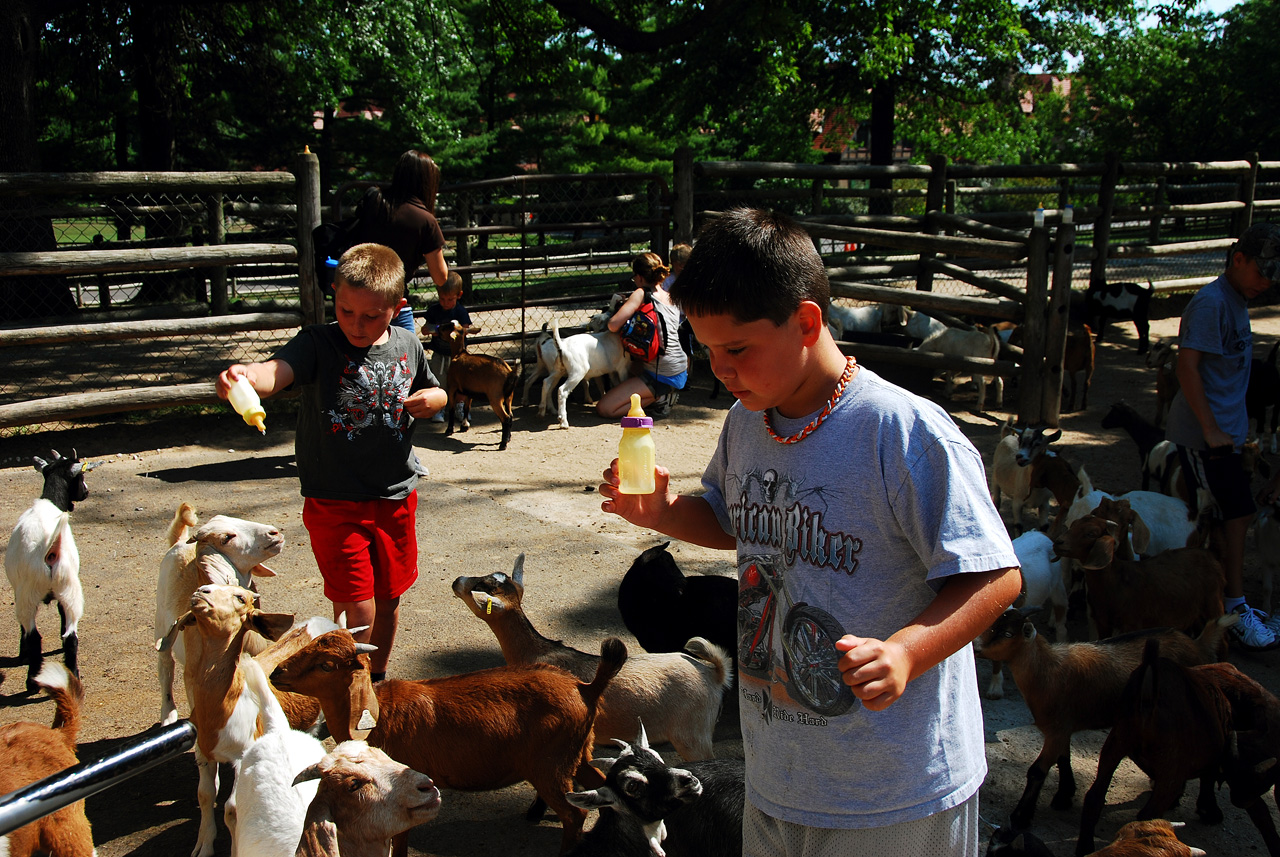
<point>662,405</point>
<point>1273,622</point>
<point>1251,633</point>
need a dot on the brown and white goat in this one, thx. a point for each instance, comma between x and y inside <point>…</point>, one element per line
<point>473,732</point>
<point>30,752</point>
<point>677,695</point>
<point>1163,358</point>
<point>1016,453</point>
<point>225,550</point>
<point>365,799</point>
<point>1073,686</point>
<point>474,375</point>
<point>1180,588</point>
<point>226,717</point>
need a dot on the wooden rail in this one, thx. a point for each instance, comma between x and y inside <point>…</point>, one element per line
<point>149,329</point>
<point>157,259</point>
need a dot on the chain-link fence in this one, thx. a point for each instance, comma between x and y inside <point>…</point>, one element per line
<point>530,247</point>
<point>100,269</point>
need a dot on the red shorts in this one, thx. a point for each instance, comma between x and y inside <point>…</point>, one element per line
<point>364,548</point>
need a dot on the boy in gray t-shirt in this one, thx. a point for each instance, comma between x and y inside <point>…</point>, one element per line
<point>869,556</point>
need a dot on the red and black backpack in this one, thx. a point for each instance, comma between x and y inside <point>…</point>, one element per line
<point>642,335</point>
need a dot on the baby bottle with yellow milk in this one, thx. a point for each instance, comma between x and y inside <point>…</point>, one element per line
<point>636,455</point>
<point>247,404</point>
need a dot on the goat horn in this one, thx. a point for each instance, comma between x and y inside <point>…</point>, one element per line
<point>366,648</point>
<point>354,631</point>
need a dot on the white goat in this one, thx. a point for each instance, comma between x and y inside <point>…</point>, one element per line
<point>224,550</point>
<point>43,564</point>
<point>954,342</point>
<point>270,808</point>
<point>916,324</point>
<point>364,799</point>
<point>579,358</point>
<point>862,319</point>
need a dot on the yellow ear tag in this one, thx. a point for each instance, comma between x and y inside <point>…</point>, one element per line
<point>488,607</point>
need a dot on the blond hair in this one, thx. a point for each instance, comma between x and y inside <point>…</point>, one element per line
<point>375,268</point>
<point>680,254</point>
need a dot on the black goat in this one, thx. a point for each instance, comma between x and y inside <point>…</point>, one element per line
<point>1105,301</point>
<point>1263,393</point>
<point>647,807</point>
<point>664,608</point>
<point>1144,434</point>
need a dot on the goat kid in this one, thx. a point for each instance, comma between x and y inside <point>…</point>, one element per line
<point>474,375</point>
<point>1073,686</point>
<point>1154,838</point>
<point>1078,359</point>
<point>650,808</point>
<point>665,608</point>
<point>579,358</point>
<point>678,694</point>
<point>225,716</point>
<point>474,732</point>
<point>968,343</point>
<point>43,563</point>
<point>224,550</point>
<point>29,752</point>
<point>1042,587</point>
<point>1105,301</point>
<point>1163,357</point>
<point>364,799</point>
<point>1144,434</point>
<point>1011,469</point>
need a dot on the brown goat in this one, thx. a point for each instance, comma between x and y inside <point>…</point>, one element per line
<point>473,732</point>
<point>1052,473</point>
<point>473,375</point>
<point>31,752</point>
<point>1078,359</point>
<point>1075,686</point>
<point>1175,724</point>
<point>1164,359</point>
<point>1154,838</point>
<point>1180,588</point>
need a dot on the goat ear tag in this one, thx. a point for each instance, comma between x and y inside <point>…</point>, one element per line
<point>366,720</point>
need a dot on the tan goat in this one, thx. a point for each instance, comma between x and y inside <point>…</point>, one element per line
<point>474,732</point>
<point>474,375</point>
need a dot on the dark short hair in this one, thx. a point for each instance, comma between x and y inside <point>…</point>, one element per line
<point>752,264</point>
<point>452,284</point>
<point>1261,242</point>
<point>375,268</point>
<point>415,175</point>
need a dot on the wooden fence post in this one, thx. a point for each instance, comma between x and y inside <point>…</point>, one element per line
<point>1157,213</point>
<point>307,174</point>
<point>1102,225</point>
<point>462,245</point>
<point>682,208</point>
<point>217,235</point>
<point>1031,392</point>
<point>934,200</point>
<point>1248,189</point>
<point>1055,340</point>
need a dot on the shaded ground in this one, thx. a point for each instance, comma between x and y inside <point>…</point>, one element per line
<point>481,508</point>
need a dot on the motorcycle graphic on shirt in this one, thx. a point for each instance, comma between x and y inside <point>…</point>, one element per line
<point>807,637</point>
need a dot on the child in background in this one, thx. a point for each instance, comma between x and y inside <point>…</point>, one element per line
<point>868,551</point>
<point>679,255</point>
<point>446,309</point>
<point>363,384</point>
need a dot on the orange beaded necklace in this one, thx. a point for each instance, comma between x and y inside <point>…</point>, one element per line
<point>845,377</point>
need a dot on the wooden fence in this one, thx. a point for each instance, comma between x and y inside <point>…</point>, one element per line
<point>559,251</point>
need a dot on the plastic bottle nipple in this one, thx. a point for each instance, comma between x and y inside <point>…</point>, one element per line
<point>247,404</point>
<point>636,409</point>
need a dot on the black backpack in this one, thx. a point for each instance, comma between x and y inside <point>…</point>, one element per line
<point>330,241</point>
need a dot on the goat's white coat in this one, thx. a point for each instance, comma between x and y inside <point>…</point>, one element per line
<point>968,343</point>
<point>863,319</point>
<point>41,530</point>
<point>577,358</point>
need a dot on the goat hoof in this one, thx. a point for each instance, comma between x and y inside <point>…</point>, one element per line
<point>1060,802</point>
<point>536,810</point>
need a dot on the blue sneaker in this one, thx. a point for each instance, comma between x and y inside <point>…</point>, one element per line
<point>1251,633</point>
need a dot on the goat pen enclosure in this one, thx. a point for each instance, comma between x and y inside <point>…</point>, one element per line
<point>126,291</point>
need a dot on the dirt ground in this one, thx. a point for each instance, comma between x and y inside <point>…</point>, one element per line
<point>481,508</point>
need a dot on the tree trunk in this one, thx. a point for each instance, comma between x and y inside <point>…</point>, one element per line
<point>883,97</point>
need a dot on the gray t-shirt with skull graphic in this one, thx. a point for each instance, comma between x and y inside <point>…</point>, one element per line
<point>852,530</point>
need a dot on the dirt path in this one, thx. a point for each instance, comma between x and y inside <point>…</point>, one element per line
<point>481,508</point>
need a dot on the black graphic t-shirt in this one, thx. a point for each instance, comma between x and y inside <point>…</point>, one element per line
<point>354,439</point>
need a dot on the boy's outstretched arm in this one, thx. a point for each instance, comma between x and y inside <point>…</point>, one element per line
<point>267,378</point>
<point>968,604</point>
<point>690,519</point>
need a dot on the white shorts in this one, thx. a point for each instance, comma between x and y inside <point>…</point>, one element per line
<point>952,832</point>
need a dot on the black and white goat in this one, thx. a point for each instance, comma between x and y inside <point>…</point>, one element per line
<point>43,564</point>
<point>1105,301</point>
<point>648,808</point>
<point>664,608</point>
